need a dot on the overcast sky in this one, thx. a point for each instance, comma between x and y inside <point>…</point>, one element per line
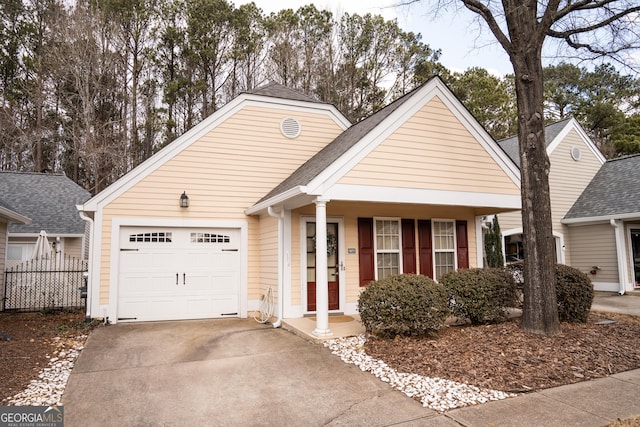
<point>456,33</point>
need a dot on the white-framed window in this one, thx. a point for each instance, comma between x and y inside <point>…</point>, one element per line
<point>444,246</point>
<point>388,254</point>
<point>20,251</point>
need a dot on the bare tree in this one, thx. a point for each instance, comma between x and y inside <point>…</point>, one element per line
<point>594,28</point>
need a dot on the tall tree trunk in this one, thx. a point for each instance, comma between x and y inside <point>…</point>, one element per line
<point>540,314</point>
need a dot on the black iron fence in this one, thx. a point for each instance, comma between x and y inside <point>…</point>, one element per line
<point>45,284</point>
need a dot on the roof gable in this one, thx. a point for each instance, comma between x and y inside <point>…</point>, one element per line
<point>553,136</point>
<point>49,200</point>
<point>613,192</point>
<point>269,96</point>
<point>329,165</point>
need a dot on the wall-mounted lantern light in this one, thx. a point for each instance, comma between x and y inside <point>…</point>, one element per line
<point>184,200</point>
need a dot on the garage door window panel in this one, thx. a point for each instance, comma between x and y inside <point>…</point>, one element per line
<point>151,237</point>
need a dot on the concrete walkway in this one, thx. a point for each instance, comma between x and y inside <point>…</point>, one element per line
<point>235,372</point>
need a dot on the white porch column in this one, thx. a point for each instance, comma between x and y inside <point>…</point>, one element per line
<point>623,274</point>
<point>322,281</point>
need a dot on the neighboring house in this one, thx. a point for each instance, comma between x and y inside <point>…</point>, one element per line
<point>8,215</point>
<point>574,160</point>
<point>604,226</point>
<point>282,192</point>
<point>49,201</point>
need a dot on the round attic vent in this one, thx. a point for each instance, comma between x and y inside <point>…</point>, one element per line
<point>290,127</point>
<point>576,154</point>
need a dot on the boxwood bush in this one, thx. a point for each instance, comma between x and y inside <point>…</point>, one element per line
<point>405,304</point>
<point>574,292</point>
<point>481,295</point>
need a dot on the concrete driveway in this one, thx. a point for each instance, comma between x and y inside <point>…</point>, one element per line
<point>224,372</point>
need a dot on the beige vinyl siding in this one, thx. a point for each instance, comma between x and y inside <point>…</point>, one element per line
<point>568,179</point>
<point>73,247</point>
<point>350,212</point>
<point>593,245</point>
<point>223,173</point>
<point>510,220</point>
<point>432,150</point>
<point>268,250</point>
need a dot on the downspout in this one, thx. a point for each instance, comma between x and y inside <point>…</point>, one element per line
<point>622,270</point>
<point>84,216</point>
<point>280,218</point>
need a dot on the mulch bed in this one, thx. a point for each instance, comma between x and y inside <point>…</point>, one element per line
<point>26,339</point>
<point>503,357</point>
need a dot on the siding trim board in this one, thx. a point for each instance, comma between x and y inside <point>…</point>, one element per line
<point>364,193</point>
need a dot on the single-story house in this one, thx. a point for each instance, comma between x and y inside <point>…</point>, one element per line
<point>604,226</point>
<point>574,161</point>
<point>278,190</point>
<point>49,202</point>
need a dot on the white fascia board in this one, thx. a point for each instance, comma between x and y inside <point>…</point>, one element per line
<point>389,125</point>
<point>597,219</point>
<point>364,193</point>
<point>13,216</point>
<point>574,124</point>
<point>276,200</point>
<point>49,235</point>
<point>194,134</point>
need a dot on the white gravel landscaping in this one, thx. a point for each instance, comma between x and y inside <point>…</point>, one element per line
<point>52,380</point>
<point>434,393</point>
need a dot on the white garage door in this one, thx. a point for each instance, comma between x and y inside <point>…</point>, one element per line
<point>178,273</point>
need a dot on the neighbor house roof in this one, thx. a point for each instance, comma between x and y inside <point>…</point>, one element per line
<point>49,200</point>
<point>551,132</point>
<point>9,214</point>
<point>612,193</point>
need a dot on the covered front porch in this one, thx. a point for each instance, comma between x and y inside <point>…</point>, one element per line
<point>363,241</point>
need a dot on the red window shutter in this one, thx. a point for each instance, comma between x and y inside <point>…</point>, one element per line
<point>424,251</point>
<point>408,246</point>
<point>366,255</point>
<point>462,244</point>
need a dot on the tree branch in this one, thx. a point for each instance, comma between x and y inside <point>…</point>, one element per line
<point>482,10</point>
<point>565,34</point>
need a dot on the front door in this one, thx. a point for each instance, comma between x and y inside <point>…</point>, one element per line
<point>635,247</point>
<point>332,266</point>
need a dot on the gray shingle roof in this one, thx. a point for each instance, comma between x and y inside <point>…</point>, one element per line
<point>276,90</point>
<point>48,199</point>
<point>510,145</point>
<point>330,153</point>
<point>612,191</point>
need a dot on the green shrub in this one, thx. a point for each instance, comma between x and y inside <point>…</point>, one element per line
<point>574,293</point>
<point>406,304</point>
<point>481,295</point>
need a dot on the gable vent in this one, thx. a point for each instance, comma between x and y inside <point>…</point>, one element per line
<point>576,154</point>
<point>290,127</point>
